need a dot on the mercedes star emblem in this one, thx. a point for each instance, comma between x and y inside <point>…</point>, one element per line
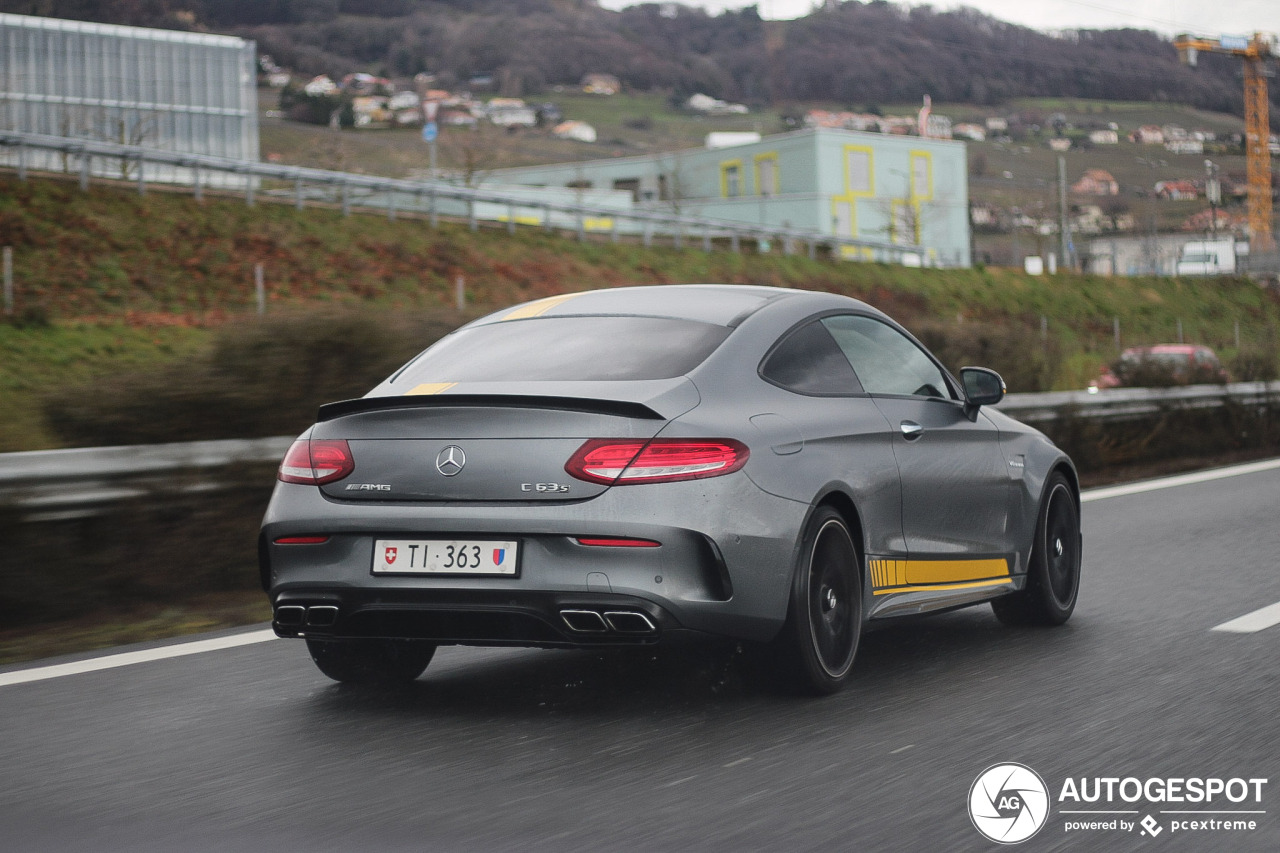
<point>450,461</point>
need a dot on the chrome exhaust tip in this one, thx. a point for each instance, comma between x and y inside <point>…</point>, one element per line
<point>290,615</point>
<point>629,622</point>
<point>584,621</point>
<point>322,616</point>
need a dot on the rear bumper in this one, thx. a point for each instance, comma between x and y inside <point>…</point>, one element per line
<point>469,617</point>
<point>723,567</point>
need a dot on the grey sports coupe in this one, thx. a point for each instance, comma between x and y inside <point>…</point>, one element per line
<point>776,466</point>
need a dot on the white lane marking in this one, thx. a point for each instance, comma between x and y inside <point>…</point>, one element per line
<point>1180,480</point>
<point>177,650</point>
<point>1258,620</point>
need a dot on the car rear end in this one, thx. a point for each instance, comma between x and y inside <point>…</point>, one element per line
<point>457,504</point>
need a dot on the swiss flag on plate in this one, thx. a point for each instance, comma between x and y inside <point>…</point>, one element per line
<point>389,555</point>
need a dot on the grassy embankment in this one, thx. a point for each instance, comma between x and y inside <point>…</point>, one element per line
<point>107,281</point>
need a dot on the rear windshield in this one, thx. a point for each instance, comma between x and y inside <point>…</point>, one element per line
<point>568,348</point>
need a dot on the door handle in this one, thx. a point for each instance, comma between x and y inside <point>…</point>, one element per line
<point>911,430</point>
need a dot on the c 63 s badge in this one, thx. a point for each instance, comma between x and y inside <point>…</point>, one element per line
<point>544,488</point>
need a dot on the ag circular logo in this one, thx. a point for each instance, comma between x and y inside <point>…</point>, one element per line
<point>1008,803</point>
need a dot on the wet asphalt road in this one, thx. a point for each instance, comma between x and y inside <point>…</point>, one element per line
<point>527,750</point>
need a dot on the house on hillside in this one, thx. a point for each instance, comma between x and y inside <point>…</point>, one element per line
<point>1185,146</point>
<point>578,131</point>
<point>700,103</point>
<point>511,112</point>
<point>321,85</point>
<point>1096,182</point>
<point>601,84</point>
<point>968,130</point>
<point>1104,137</point>
<point>1177,190</point>
<point>1148,134</point>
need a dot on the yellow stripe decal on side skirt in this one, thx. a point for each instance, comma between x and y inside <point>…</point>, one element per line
<point>913,575</point>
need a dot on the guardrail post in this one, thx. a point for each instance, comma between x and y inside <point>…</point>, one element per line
<point>248,187</point>
<point>471,215</point>
<point>260,289</point>
<point>511,217</point>
<point>735,242</point>
<point>22,162</point>
<point>431,201</point>
<point>813,249</point>
<point>84,170</point>
<point>648,234</point>
<point>297,193</point>
<point>582,227</point>
<point>346,199</point>
<point>613,230</point>
<point>142,174</point>
<point>391,205</point>
<point>546,217</point>
<point>8,280</point>
<point>706,239</point>
<point>195,178</point>
<point>678,239</point>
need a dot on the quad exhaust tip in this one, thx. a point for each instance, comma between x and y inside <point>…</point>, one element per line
<point>296,616</point>
<point>616,621</point>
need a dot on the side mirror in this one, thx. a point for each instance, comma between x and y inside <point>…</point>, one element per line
<point>982,387</point>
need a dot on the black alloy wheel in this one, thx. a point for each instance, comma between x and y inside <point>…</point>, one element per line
<point>1053,578</point>
<point>818,644</point>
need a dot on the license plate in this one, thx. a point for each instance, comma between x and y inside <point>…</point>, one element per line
<point>444,557</point>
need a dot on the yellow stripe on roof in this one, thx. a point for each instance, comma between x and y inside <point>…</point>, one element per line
<point>430,388</point>
<point>537,309</point>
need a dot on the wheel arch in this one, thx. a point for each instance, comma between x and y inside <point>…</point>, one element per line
<point>848,510</point>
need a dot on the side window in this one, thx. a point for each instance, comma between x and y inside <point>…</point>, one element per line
<point>808,361</point>
<point>886,362</point>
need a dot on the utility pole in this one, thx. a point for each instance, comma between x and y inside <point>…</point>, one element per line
<point>1213,192</point>
<point>1063,232</point>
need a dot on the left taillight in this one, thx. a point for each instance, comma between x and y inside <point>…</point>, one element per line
<point>660,460</point>
<point>316,462</point>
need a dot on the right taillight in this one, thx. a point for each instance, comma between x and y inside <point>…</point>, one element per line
<point>316,462</point>
<point>660,460</point>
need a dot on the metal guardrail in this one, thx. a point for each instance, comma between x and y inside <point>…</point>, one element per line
<point>432,198</point>
<point>1118,404</point>
<point>50,485</point>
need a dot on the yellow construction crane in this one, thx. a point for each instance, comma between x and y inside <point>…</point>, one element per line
<point>1254,52</point>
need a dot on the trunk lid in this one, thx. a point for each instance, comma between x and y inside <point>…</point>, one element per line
<point>490,442</point>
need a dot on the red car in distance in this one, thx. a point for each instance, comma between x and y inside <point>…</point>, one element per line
<point>1162,365</point>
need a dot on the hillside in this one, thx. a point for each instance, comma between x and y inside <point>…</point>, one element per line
<point>854,53</point>
<point>109,283</point>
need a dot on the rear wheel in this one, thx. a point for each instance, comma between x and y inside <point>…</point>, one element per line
<point>1053,578</point>
<point>371,661</point>
<point>816,648</point>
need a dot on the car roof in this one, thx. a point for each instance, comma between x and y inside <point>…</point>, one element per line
<point>720,304</point>
<point>1165,349</point>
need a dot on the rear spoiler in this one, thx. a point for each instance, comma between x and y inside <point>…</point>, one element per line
<point>621,408</point>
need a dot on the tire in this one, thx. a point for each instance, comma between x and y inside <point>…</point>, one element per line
<point>814,653</point>
<point>1053,578</point>
<point>371,661</point>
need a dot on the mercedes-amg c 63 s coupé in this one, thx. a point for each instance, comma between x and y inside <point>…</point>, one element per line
<point>779,467</point>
